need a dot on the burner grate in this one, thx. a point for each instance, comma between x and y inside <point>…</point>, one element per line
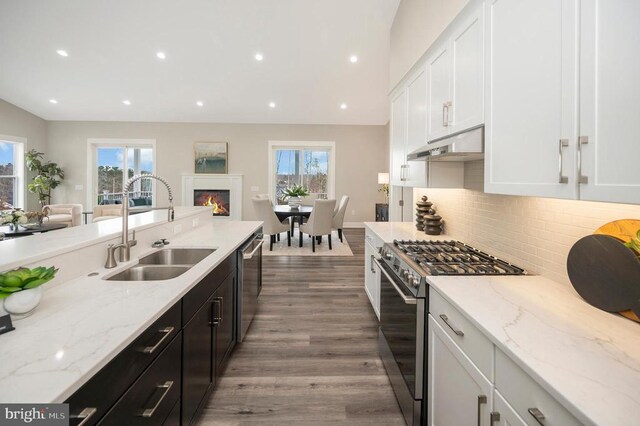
<point>454,258</point>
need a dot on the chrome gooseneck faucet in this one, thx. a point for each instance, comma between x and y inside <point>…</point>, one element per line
<point>126,243</point>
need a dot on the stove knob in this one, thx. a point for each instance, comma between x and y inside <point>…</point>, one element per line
<point>405,274</point>
<point>415,282</point>
<point>388,256</point>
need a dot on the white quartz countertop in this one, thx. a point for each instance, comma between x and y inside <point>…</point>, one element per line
<point>389,231</point>
<point>82,324</point>
<point>25,250</point>
<point>588,359</point>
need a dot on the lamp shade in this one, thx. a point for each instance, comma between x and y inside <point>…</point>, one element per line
<point>383,178</point>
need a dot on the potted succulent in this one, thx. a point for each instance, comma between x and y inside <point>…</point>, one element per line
<point>21,291</point>
<point>294,194</point>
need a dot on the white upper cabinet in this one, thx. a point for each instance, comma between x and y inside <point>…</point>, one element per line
<point>439,95</point>
<point>408,127</point>
<point>398,137</point>
<point>467,84</point>
<point>455,75</point>
<point>610,100</point>
<point>531,98</point>
<point>416,127</point>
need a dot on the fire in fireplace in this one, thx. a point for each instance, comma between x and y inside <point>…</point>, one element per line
<point>218,199</point>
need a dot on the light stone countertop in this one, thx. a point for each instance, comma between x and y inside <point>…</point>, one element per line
<point>27,250</point>
<point>588,359</point>
<point>84,323</point>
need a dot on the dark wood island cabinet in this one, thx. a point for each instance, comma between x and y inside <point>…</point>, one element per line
<point>168,372</point>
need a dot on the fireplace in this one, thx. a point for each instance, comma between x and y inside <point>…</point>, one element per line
<point>227,190</point>
<point>218,199</point>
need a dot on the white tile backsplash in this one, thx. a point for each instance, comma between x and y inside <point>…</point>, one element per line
<point>534,233</point>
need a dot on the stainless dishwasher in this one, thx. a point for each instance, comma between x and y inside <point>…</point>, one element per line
<point>249,282</point>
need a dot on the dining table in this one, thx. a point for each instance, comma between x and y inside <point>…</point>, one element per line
<point>284,211</point>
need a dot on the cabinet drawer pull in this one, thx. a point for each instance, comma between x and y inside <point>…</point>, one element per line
<point>455,330</point>
<point>582,140</point>
<point>216,319</point>
<point>494,417</point>
<point>445,114</point>
<point>148,412</point>
<point>167,332</point>
<point>563,143</point>
<point>537,414</point>
<point>482,399</point>
<point>84,415</point>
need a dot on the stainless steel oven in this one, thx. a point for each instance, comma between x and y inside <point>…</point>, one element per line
<point>401,341</point>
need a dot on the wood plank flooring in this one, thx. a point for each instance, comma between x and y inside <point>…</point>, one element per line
<point>310,356</point>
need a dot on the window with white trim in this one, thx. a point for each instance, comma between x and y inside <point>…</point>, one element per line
<point>12,172</point>
<point>115,162</point>
<point>308,164</point>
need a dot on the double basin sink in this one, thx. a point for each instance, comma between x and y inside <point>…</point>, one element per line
<point>162,265</point>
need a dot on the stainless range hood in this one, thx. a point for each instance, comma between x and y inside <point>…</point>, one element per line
<point>467,145</point>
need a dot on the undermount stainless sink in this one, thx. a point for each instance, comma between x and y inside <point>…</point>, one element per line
<point>162,265</point>
<point>149,273</point>
<point>176,256</point>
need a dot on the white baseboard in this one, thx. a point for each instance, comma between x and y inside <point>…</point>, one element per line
<point>353,224</point>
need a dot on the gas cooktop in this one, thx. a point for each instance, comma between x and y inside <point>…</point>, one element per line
<point>430,257</point>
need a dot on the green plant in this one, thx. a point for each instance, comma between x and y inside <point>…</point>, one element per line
<point>15,216</point>
<point>24,278</point>
<point>385,190</point>
<point>634,244</point>
<point>295,191</point>
<point>48,176</point>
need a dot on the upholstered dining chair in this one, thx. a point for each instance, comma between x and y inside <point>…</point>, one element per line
<point>338,215</point>
<point>271,225</point>
<point>319,222</point>
<point>68,214</point>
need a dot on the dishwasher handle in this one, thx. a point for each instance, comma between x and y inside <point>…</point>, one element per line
<point>250,255</point>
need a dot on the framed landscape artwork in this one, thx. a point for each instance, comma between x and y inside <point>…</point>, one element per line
<point>210,157</point>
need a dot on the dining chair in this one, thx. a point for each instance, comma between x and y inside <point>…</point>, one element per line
<point>271,225</point>
<point>319,222</point>
<point>338,215</point>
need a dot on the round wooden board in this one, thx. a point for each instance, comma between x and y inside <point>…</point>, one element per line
<point>625,230</point>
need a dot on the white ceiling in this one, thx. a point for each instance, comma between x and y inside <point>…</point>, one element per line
<point>210,47</point>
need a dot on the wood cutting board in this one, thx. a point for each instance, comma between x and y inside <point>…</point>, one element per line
<point>625,230</point>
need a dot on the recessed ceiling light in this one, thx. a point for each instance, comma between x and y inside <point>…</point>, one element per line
<point>53,101</point>
<point>62,53</point>
<point>161,55</point>
<point>353,59</point>
<point>272,104</point>
<point>200,103</point>
<point>343,106</point>
<point>126,102</point>
<point>259,57</point>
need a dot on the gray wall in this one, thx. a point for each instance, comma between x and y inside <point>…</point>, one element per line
<point>415,27</point>
<point>18,122</point>
<point>361,152</point>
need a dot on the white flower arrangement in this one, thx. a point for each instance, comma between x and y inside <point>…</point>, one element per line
<point>16,216</point>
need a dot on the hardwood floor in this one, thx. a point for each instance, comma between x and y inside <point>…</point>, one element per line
<point>310,356</point>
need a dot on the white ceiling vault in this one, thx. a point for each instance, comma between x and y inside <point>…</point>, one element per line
<point>210,48</point>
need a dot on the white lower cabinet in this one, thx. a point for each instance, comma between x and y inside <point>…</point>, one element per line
<point>472,382</point>
<point>459,394</point>
<point>532,403</point>
<point>371,272</point>
<point>503,414</point>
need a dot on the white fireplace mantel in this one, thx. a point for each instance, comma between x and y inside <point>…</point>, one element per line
<point>233,183</point>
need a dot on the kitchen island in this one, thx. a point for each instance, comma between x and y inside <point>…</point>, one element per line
<point>85,321</point>
<point>586,359</point>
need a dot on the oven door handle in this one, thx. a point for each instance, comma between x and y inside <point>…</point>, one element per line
<point>407,299</point>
